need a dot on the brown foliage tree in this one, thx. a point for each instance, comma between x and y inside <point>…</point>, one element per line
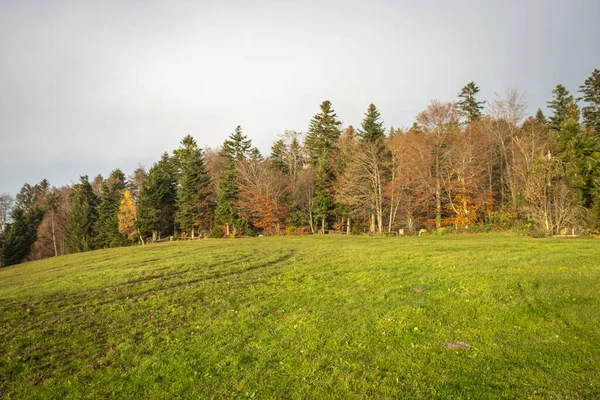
<point>51,234</point>
<point>262,192</point>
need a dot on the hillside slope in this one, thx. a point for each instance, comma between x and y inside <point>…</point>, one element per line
<point>306,317</point>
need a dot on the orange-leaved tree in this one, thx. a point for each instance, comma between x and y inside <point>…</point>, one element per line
<point>262,191</point>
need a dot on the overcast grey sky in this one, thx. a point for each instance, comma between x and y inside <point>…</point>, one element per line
<point>87,87</point>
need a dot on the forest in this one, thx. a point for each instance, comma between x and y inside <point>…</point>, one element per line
<point>464,166</point>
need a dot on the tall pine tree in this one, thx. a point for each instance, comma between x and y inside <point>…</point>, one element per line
<point>540,118</point>
<point>106,227</point>
<point>235,149</point>
<point>590,91</point>
<point>321,145</point>
<point>564,108</point>
<point>157,199</point>
<point>82,217</point>
<point>591,96</point>
<point>468,106</point>
<point>576,149</point>
<point>372,127</point>
<point>193,203</point>
<point>19,236</point>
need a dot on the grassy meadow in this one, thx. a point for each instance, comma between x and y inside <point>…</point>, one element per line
<point>473,316</point>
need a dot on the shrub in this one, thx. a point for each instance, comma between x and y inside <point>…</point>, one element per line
<point>441,232</point>
<point>216,232</point>
<point>430,224</point>
<point>302,230</point>
<point>357,229</point>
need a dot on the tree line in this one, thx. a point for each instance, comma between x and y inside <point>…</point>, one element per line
<point>464,165</point>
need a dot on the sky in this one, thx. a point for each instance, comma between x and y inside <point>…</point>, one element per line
<point>87,87</point>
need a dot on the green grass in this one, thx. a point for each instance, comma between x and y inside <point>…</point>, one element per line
<point>307,317</point>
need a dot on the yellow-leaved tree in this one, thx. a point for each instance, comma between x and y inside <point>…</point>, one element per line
<point>127,216</point>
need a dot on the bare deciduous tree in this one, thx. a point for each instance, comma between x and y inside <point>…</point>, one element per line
<point>361,185</point>
<point>439,121</point>
<point>6,204</point>
<point>505,113</point>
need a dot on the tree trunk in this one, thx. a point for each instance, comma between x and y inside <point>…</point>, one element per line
<point>53,235</point>
<point>323,224</point>
<point>438,191</point>
<point>379,202</point>
<point>348,226</point>
<point>372,227</point>
<point>438,205</point>
<point>391,217</point>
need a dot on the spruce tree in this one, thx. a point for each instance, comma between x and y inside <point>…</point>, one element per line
<point>235,149</point>
<point>278,152</point>
<point>321,144</point>
<point>576,149</point>
<point>323,134</point>
<point>590,91</point>
<point>106,227</point>
<point>82,217</point>
<point>19,236</point>
<point>157,199</point>
<point>372,126</point>
<point>193,205</point>
<point>468,106</point>
<point>540,118</point>
<point>564,107</point>
<point>591,95</point>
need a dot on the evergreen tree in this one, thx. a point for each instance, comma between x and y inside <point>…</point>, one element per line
<point>106,227</point>
<point>564,107</point>
<point>372,126</point>
<point>278,152</point>
<point>468,106</point>
<point>157,199</point>
<point>82,217</point>
<point>193,205</point>
<point>255,153</point>
<point>321,144</point>
<point>27,215</point>
<point>576,149</point>
<point>323,134</point>
<point>20,235</point>
<point>294,156</point>
<point>235,149</point>
<point>591,95</point>
<point>540,118</point>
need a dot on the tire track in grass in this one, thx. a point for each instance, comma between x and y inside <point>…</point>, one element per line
<point>74,303</point>
<point>218,276</point>
<point>65,303</point>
